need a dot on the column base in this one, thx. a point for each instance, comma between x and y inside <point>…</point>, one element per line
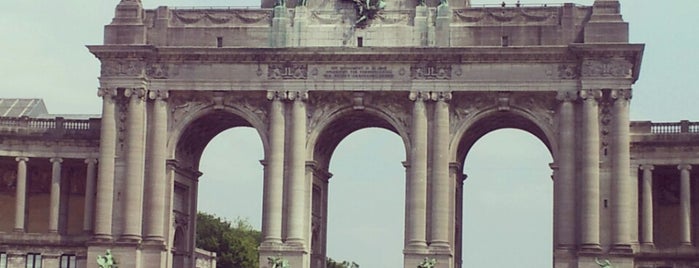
<point>590,248</point>
<point>18,230</point>
<point>129,239</point>
<point>621,249</point>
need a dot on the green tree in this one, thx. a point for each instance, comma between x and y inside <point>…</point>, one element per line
<point>235,243</point>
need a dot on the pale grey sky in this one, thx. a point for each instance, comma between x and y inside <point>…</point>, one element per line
<point>507,203</point>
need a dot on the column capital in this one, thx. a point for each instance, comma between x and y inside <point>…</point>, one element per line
<point>106,92</point>
<point>135,92</point>
<point>297,95</point>
<point>684,167</point>
<point>90,160</point>
<point>440,95</point>
<point>621,94</point>
<point>587,94</point>
<point>566,96</point>
<point>276,95</point>
<point>56,160</point>
<point>158,94</point>
<point>646,167</point>
<point>418,95</point>
<point>22,159</point>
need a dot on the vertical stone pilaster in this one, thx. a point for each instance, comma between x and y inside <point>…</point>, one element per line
<point>274,173</point>
<point>589,207</point>
<point>647,206</point>
<point>621,178</point>
<point>685,206</point>
<point>564,181</point>
<point>135,157</point>
<point>297,169</point>
<point>105,179</point>
<point>416,192</point>
<point>89,206</point>
<point>54,207</point>
<point>156,182</point>
<point>439,233</point>
<point>21,194</point>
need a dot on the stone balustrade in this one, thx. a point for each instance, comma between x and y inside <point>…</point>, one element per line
<point>648,127</point>
<point>52,127</point>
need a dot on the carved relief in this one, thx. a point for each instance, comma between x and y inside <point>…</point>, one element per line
<point>541,106</point>
<point>467,105</point>
<point>221,17</point>
<point>607,67</point>
<point>322,105</point>
<point>160,71</point>
<point>499,15</point>
<point>122,68</point>
<point>397,106</point>
<point>568,71</point>
<point>430,71</point>
<point>605,117</point>
<point>287,70</point>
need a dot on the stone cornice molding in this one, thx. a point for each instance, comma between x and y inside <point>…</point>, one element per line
<point>158,94</point>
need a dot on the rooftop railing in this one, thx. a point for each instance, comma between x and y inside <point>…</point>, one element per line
<point>58,126</point>
<point>648,127</point>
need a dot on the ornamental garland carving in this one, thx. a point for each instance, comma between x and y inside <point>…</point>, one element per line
<point>223,17</point>
<point>499,15</point>
<point>430,71</point>
<point>287,70</point>
<point>122,68</point>
<point>609,67</point>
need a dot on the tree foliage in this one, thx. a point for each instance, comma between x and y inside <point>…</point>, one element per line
<point>330,263</point>
<point>235,243</point>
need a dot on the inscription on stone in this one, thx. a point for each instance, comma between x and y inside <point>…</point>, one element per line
<point>358,72</point>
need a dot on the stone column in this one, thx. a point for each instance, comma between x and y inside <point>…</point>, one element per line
<point>685,206</point>
<point>89,194</point>
<point>54,207</point>
<point>416,192</point>
<point>274,172</point>
<point>440,172</point>
<point>21,193</point>
<point>589,207</point>
<point>105,179</point>
<point>647,205</point>
<point>621,178</point>
<point>157,182</point>
<point>135,157</point>
<point>297,169</point>
<point>564,181</point>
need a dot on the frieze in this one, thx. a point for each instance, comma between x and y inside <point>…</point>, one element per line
<point>221,17</point>
<point>358,72</point>
<point>609,67</point>
<point>430,71</point>
<point>499,15</point>
<point>568,71</point>
<point>122,68</point>
<point>287,71</point>
<point>160,71</point>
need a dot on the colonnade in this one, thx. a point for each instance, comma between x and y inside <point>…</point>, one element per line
<point>54,196</point>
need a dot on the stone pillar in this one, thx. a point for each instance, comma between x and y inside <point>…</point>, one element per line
<point>589,207</point>
<point>274,173</point>
<point>135,157</point>
<point>621,178</point>
<point>297,169</point>
<point>55,205</point>
<point>21,193</point>
<point>416,192</point>
<point>440,173</point>
<point>89,194</point>
<point>157,182</point>
<point>647,206</point>
<point>564,181</point>
<point>685,206</point>
<point>105,179</point>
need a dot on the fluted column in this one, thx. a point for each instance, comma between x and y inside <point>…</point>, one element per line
<point>564,181</point>
<point>274,172</point>
<point>297,165</point>
<point>105,178</point>
<point>416,195</point>
<point>135,157</point>
<point>89,205</point>
<point>55,205</point>
<point>685,206</point>
<point>621,178</point>
<point>21,193</point>
<point>589,207</point>
<point>647,205</point>
<point>156,183</point>
<point>440,172</point>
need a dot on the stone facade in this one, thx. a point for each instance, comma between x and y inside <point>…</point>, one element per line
<point>306,76</point>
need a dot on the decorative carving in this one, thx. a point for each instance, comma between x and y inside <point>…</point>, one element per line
<point>568,71</point>
<point>607,67</point>
<point>430,71</point>
<point>367,10</point>
<point>287,70</point>
<point>139,93</point>
<point>106,92</point>
<point>159,71</point>
<point>223,17</point>
<point>499,15</point>
<point>586,94</point>
<point>605,118</point>
<point>504,101</point>
<point>158,94</point>
<point>566,96</point>
<point>621,94</point>
<point>106,261</point>
<point>123,67</point>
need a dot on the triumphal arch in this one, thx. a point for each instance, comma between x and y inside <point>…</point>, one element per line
<point>305,74</point>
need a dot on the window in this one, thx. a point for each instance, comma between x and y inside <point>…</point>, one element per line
<point>3,260</point>
<point>67,261</point>
<point>33,260</point>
